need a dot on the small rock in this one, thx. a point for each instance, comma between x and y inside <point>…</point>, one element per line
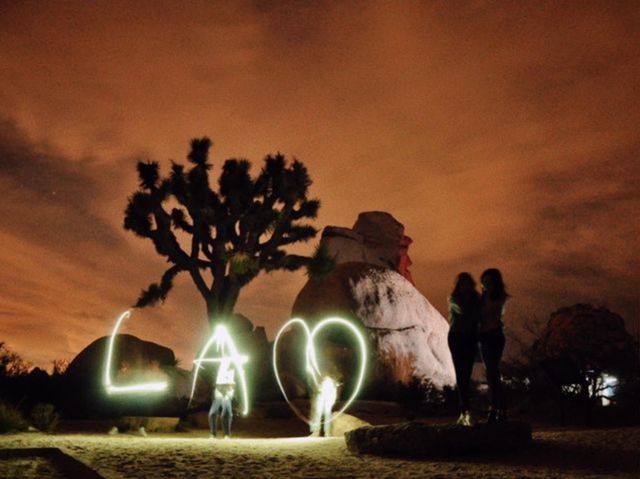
<point>113,431</point>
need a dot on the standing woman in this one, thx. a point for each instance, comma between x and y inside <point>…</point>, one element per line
<point>492,340</point>
<point>223,392</point>
<point>464,315</point>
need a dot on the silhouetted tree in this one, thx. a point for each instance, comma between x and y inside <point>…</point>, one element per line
<point>593,340</point>
<point>223,239</point>
<point>11,364</point>
<point>59,366</point>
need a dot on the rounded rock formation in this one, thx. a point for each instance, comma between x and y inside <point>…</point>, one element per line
<point>407,335</point>
<point>134,360</point>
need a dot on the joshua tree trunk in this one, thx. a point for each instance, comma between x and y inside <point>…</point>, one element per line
<point>221,303</point>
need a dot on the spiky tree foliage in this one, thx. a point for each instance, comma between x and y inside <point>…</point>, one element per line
<point>223,239</point>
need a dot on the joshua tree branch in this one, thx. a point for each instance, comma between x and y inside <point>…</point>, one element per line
<point>199,281</point>
<point>279,229</point>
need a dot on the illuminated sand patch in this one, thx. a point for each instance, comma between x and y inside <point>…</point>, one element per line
<point>562,454</point>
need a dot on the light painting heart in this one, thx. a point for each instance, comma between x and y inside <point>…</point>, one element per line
<point>311,358</point>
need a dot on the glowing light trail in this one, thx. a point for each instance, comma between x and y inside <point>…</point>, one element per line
<point>131,388</point>
<point>311,358</point>
<point>224,344</point>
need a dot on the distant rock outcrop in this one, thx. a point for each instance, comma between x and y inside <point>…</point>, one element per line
<point>376,238</point>
<point>253,341</point>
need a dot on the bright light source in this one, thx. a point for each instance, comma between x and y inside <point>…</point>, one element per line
<point>609,384</point>
<point>229,353</point>
<point>311,360</point>
<point>130,388</point>
<point>323,405</point>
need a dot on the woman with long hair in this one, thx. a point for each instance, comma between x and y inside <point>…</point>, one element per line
<point>464,315</point>
<point>492,340</point>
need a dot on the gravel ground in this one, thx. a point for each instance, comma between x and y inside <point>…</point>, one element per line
<point>559,453</point>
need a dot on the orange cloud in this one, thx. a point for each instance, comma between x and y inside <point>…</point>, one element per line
<point>499,134</point>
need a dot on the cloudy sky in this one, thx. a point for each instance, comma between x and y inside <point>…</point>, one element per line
<point>500,134</point>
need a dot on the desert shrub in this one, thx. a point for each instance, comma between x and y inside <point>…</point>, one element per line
<point>410,395</point>
<point>11,419</point>
<point>44,417</point>
<point>59,366</point>
<point>11,364</point>
<point>422,397</point>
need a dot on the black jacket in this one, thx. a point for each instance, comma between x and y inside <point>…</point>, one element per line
<point>464,316</point>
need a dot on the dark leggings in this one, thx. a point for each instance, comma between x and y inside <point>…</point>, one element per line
<point>491,347</point>
<point>463,347</point>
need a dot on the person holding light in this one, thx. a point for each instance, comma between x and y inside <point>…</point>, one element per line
<point>221,405</point>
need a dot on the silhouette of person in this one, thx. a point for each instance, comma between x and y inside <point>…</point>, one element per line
<point>464,316</point>
<point>492,339</point>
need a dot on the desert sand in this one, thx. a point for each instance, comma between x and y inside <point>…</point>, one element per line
<point>554,453</point>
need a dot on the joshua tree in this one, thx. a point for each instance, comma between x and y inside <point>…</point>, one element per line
<point>223,239</point>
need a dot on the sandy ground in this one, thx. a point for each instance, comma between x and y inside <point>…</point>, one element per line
<point>28,468</point>
<point>554,453</point>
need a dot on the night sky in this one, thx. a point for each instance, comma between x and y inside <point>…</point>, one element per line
<point>500,134</point>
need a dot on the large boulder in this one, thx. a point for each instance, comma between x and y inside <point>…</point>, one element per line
<point>131,355</point>
<point>134,360</point>
<point>416,440</point>
<point>371,285</point>
<point>407,335</point>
